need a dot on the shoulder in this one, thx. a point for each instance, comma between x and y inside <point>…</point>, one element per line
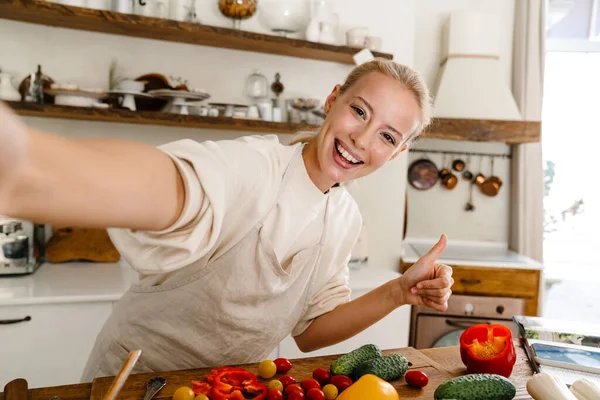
<point>246,153</point>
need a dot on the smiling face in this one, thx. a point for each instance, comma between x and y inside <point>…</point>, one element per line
<point>366,126</point>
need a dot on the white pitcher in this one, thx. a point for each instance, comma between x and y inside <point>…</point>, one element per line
<point>7,90</point>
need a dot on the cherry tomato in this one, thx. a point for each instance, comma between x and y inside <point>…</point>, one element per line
<point>201,397</point>
<point>275,384</point>
<point>283,365</point>
<point>416,378</point>
<point>293,388</point>
<point>274,394</point>
<point>308,384</point>
<point>296,396</point>
<point>341,382</point>
<point>184,393</point>
<point>315,394</point>
<point>330,392</point>
<point>267,369</point>
<point>287,380</point>
<point>322,376</point>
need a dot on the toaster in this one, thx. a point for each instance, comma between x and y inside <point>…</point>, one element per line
<point>19,246</point>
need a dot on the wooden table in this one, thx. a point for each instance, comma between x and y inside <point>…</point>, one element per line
<point>440,364</point>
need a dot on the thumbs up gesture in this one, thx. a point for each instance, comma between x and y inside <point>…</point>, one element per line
<point>427,283</point>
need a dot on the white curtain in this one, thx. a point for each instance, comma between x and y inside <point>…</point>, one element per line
<point>527,213</point>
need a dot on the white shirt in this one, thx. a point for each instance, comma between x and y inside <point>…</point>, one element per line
<point>229,187</point>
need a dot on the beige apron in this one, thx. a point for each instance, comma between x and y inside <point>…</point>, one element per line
<point>204,317</point>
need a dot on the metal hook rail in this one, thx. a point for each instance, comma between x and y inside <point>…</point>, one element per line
<point>461,153</point>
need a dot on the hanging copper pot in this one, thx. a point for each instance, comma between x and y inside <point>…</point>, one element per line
<point>449,180</point>
<point>458,165</point>
<point>492,185</point>
<point>479,179</point>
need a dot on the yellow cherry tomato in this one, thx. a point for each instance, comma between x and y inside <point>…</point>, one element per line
<point>330,391</point>
<point>201,397</point>
<point>184,393</point>
<point>267,369</point>
<point>275,384</point>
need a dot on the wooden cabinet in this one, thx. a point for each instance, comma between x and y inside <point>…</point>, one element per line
<point>48,344</point>
<point>495,281</point>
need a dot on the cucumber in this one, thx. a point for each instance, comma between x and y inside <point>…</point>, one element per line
<point>476,387</point>
<point>346,364</point>
<point>387,368</point>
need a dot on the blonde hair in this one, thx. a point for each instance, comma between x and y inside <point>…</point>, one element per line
<point>409,77</point>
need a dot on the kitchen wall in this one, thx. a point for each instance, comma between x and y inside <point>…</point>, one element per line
<point>84,58</point>
<point>438,210</point>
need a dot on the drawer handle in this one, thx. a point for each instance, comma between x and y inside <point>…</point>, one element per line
<point>14,321</point>
<point>462,324</point>
<point>470,281</point>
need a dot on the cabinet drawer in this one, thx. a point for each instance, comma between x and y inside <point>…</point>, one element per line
<point>496,281</point>
<point>48,344</point>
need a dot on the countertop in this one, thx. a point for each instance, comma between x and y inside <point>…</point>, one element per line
<point>440,364</point>
<point>91,282</point>
<point>469,253</point>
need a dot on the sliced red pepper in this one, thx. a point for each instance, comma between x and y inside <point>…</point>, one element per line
<point>201,387</point>
<point>234,384</point>
<point>488,349</point>
<point>216,371</point>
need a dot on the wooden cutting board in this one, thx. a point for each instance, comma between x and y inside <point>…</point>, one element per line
<point>135,386</point>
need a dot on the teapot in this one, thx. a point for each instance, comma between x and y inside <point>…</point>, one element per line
<point>7,91</point>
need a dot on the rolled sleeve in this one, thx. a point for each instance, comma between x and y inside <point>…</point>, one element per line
<point>196,231</point>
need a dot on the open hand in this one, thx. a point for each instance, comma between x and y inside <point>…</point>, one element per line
<point>426,282</point>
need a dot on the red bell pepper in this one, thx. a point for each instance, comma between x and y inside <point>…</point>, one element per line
<point>488,349</point>
<point>235,383</point>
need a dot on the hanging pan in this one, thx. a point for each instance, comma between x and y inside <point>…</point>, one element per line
<point>423,174</point>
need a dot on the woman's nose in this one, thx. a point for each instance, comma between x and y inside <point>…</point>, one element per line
<point>360,139</point>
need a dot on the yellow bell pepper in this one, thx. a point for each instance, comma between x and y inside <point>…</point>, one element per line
<point>369,387</point>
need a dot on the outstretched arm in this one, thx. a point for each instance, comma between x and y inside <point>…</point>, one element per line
<point>425,283</point>
<point>85,182</point>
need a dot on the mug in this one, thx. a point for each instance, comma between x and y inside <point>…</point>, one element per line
<point>373,43</point>
<point>151,8</point>
<point>123,6</point>
<point>97,4</point>
<point>179,10</point>
<point>253,112</point>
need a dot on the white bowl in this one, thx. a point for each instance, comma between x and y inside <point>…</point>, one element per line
<point>284,16</point>
<point>131,86</point>
<point>74,100</point>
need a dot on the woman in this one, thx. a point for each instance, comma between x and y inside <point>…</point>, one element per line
<point>239,243</point>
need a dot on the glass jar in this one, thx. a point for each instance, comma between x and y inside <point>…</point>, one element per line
<point>257,86</point>
<point>238,10</point>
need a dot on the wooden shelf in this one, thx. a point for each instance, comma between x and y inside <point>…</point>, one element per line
<point>509,132</point>
<point>481,130</point>
<point>154,118</point>
<point>53,14</point>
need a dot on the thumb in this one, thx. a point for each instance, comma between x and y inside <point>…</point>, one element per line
<point>436,250</point>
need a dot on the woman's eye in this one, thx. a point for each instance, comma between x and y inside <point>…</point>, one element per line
<point>389,138</point>
<point>359,111</point>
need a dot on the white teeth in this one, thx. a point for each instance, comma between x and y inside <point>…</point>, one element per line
<point>345,154</point>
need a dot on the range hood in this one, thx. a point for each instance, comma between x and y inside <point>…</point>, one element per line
<point>471,83</point>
